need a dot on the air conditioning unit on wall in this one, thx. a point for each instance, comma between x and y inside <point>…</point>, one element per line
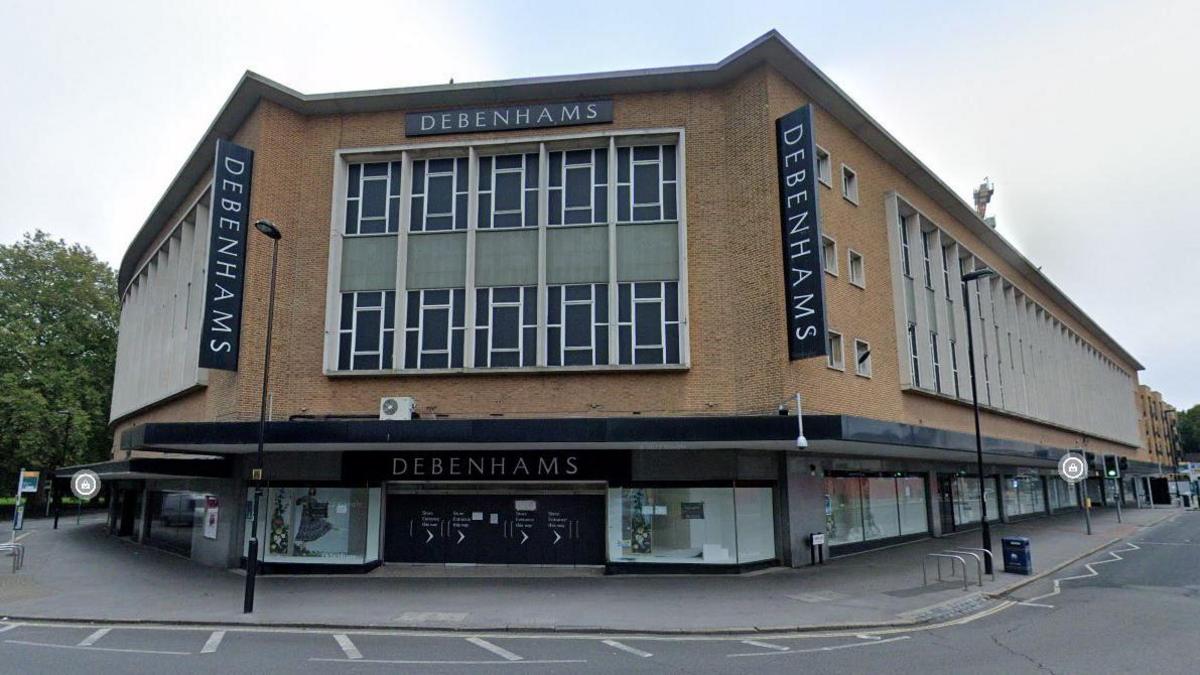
<point>396,408</point>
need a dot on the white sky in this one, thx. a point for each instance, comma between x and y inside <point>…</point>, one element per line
<point>1081,112</point>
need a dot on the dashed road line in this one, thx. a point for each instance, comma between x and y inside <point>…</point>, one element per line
<point>9,627</point>
<point>626,648</point>
<point>94,637</point>
<point>397,662</point>
<point>497,650</point>
<point>766,645</point>
<point>347,646</point>
<point>96,649</point>
<point>829,648</point>
<point>1090,567</point>
<point>213,642</point>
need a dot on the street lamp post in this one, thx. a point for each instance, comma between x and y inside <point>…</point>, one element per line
<point>55,498</point>
<point>272,232</point>
<point>983,520</point>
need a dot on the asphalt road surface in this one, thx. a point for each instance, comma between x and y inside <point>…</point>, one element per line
<point>1134,607</point>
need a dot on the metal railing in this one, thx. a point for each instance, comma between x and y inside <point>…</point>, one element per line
<point>17,552</point>
<point>925,575</point>
<point>978,562</point>
<point>986,552</point>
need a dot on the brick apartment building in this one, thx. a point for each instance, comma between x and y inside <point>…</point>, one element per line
<point>1159,429</point>
<point>584,287</point>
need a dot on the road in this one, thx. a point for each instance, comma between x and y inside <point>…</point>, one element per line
<point>1134,607</point>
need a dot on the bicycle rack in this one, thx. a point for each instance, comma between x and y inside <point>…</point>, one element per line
<point>17,551</point>
<point>939,556</point>
<point>978,562</point>
<point>986,552</point>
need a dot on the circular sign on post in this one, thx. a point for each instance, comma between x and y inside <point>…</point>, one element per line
<point>1072,468</point>
<point>85,484</point>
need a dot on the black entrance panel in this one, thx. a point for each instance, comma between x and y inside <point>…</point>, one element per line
<point>946,501</point>
<point>559,523</point>
<point>417,529</point>
<point>587,531</point>
<point>526,525</point>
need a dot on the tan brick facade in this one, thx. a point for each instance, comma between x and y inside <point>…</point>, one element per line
<point>736,304</point>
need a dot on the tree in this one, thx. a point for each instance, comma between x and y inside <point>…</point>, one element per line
<point>1189,429</point>
<point>58,343</point>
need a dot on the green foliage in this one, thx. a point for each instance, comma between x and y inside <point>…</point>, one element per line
<point>58,343</point>
<point>1189,430</point>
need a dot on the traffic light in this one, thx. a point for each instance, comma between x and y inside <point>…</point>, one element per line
<point>1123,464</point>
<point>1110,466</point>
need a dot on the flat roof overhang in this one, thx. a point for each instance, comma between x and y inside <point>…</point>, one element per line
<point>840,435</point>
<point>140,468</point>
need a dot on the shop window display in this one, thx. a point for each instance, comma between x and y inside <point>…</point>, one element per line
<point>867,508</point>
<point>704,526</point>
<point>319,525</point>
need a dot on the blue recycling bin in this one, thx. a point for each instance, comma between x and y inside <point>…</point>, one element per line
<point>1018,559</point>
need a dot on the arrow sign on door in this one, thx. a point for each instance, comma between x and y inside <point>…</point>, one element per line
<point>461,536</point>
<point>524,537</point>
<point>557,536</point>
<point>430,538</point>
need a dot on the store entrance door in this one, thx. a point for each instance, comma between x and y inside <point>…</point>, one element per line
<point>946,501</point>
<point>495,529</point>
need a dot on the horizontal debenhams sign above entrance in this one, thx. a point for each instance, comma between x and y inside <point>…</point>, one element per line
<point>480,465</point>
<point>505,118</point>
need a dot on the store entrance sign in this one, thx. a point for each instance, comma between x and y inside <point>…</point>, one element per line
<point>507,118</point>
<point>804,283</point>
<point>221,327</point>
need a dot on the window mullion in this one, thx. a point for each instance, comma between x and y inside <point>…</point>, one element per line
<point>469,281</point>
<point>543,201</point>
<point>614,350</point>
<point>401,309</point>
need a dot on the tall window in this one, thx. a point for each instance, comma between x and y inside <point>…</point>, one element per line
<point>577,325</point>
<point>646,183</point>
<point>858,270</point>
<point>862,358</point>
<point>835,357</point>
<point>824,167</point>
<point>937,364</point>
<point>506,327</point>
<point>373,198</point>
<point>914,363</point>
<point>367,330</point>
<point>579,186</point>
<point>905,258</point>
<point>648,322</point>
<point>439,194</point>
<point>946,271</point>
<point>954,368</point>
<point>829,256</point>
<point>433,332</point>
<point>508,186</point>
<point>925,243</point>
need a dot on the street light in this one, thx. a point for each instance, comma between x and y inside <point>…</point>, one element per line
<point>986,529</point>
<point>267,228</point>
<point>54,496</point>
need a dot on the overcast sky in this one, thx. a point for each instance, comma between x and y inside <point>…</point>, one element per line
<point>1084,114</point>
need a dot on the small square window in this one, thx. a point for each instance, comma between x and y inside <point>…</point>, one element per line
<point>829,257</point>
<point>835,358</point>
<point>849,185</point>
<point>862,358</point>
<point>858,269</point>
<point>824,167</point>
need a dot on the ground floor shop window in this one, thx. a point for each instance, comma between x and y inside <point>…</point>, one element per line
<point>317,525</point>
<point>966,499</point>
<point>171,518</point>
<point>691,525</point>
<point>1062,494</point>
<point>865,508</point>
<point>1023,495</point>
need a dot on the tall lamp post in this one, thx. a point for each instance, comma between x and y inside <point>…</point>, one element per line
<point>267,228</point>
<point>983,520</point>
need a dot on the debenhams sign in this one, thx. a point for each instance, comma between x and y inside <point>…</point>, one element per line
<point>506,118</point>
<point>479,465</point>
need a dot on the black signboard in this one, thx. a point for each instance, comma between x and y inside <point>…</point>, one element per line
<point>487,465</point>
<point>221,324</point>
<point>506,118</point>
<point>691,510</point>
<point>799,218</point>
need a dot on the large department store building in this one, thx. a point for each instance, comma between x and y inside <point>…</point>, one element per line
<point>588,290</point>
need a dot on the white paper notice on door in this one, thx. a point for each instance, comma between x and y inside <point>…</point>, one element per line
<point>526,505</point>
<point>477,515</point>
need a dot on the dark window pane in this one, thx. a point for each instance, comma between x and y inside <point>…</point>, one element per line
<point>410,349</point>
<point>369,299</point>
<point>553,304</point>
<point>375,169</point>
<point>352,217</point>
<point>443,165</point>
<point>625,338</point>
<point>347,311</point>
<point>654,355</point>
<point>623,302</point>
<point>395,182</point>
<point>372,226</point>
<point>366,333</point>
<point>601,303</point>
<point>355,176</point>
<point>506,294</point>
<point>508,161</point>
<point>434,327</point>
<point>647,290</point>
<point>460,215</point>
<point>601,166</point>
<point>669,209</point>
<point>647,213</point>
<point>579,186</point>
<point>388,347</point>
<point>370,362</point>
<point>413,313</point>
<point>671,291</point>
<point>531,208</point>
<point>434,361</point>
<point>644,153</point>
<point>556,159</point>
<point>505,359</point>
<point>505,330</point>
<point>437,297</point>
<point>531,171</point>
<point>418,177</point>
<point>668,162</point>
<point>600,206</point>
<point>672,343</point>
<point>529,346</point>
<point>623,203</point>
<point>485,212</point>
<point>485,174</point>
<point>417,215</point>
<point>481,348</point>
<point>579,326</point>
<point>553,356</point>
<point>577,358</point>
<point>645,184</point>
<point>579,292</point>
<point>529,305</point>
<point>393,219</point>
<point>481,306</point>
<point>579,217</point>
<point>649,323</point>
<point>439,223</point>
<point>460,168</point>
<point>508,191</point>
<point>460,301</point>
<point>456,351</point>
<point>507,220</point>
<point>344,351</point>
<point>441,194</point>
<point>556,207</point>
<point>622,165</point>
<point>389,309</point>
<point>601,344</point>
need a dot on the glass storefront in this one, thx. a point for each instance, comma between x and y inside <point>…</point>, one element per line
<point>316,525</point>
<point>866,508</point>
<point>966,499</point>
<point>1062,494</point>
<point>172,517</point>
<point>691,525</point>
<point>1023,495</point>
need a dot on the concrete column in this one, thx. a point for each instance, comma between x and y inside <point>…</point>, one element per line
<point>143,527</point>
<point>933,506</point>
<point>804,509</point>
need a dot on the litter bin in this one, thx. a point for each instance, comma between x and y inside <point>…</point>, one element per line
<point>1187,501</point>
<point>1017,557</point>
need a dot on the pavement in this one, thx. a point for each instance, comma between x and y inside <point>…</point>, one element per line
<point>79,573</point>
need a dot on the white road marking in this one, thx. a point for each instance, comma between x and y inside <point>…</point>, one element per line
<point>1090,567</point>
<point>626,648</point>
<point>868,637</point>
<point>95,649</point>
<point>347,646</point>
<point>213,642</point>
<point>830,648</point>
<point>498,651</point>
<point>93,638</point>
<point>766,645</point>
<point>1168,543</point>
<point>1036,604</point>
<point>450,663</point>
<point>9,627</point>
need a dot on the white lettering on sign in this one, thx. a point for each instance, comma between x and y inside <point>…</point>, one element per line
<point>508,117</point>
<point>454,466</point>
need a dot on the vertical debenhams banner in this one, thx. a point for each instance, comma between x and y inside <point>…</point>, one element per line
<point>222,321</point>
<point>804,283</point>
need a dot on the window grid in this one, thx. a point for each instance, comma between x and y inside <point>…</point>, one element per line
<point>571,170</point>
<point>497,209</point>
<point>564,303</point>
<point>447,174</point>
<point>490,308</point>
<point>366,331</point>
<point>373,199</point>
<point>425,345</point>
<point>648,322</point>
<point>636,202</point>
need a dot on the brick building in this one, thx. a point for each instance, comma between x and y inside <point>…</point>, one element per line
<point>1158,428</point>
<point>580,285</point>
